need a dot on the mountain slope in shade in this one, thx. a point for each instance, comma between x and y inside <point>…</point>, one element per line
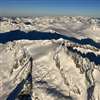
<point>78,26</point>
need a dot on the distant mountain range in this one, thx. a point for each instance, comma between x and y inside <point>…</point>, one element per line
<point>79,27</point>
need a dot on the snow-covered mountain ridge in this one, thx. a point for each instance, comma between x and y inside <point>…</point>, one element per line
<point>78,26</point>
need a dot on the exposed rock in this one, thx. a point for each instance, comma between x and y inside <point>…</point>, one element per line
<point>48,70</point>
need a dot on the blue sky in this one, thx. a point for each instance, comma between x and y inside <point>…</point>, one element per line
<point>50,7</point>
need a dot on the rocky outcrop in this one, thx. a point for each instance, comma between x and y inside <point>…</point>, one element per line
<point>48,70</point>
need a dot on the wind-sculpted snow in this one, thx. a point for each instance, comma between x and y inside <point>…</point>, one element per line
<point>49,70</point>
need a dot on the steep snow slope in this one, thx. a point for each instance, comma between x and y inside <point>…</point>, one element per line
<point>49,70</point>
<point>44,68</point>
